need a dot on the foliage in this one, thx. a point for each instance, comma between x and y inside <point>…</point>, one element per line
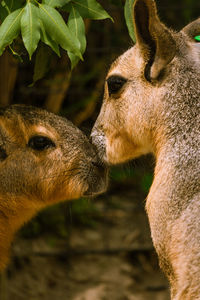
<point>32,21</point>
<point>41,20</point>
<point>128,13</point>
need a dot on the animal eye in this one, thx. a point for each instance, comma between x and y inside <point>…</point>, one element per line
<point>40,143</point>
<point>115,83</point>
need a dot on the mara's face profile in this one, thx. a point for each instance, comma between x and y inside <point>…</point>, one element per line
<point>127,104</point>
<point>45,159</point>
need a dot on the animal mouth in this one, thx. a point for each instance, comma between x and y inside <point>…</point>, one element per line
<point>97,180</point>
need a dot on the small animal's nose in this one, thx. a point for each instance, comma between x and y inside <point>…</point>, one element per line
<point>90,138</point>
<point>99,164</point>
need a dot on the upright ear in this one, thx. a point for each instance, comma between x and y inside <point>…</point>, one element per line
<point>192,29</point>
<point>154,39</point>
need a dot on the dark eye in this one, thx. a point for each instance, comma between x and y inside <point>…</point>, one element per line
<point>115,83</point>
<point>40,143</point>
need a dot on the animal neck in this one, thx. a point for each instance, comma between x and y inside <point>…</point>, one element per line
<point>6,236</point>
<point>175,184</point>
<point>12,216</point>
<point>176,175</point>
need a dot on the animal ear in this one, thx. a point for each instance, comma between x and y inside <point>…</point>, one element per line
<point>154,39</point>
<point>192,29</point>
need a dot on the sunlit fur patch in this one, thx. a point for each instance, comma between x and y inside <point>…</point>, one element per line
<point>44,131</point>
<point>120,149</point>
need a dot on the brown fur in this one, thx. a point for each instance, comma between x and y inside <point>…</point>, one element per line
<point>32,179</point>
<point>157,110</point>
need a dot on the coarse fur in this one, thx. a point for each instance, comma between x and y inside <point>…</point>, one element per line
<point>62,165</point>
<point>156,108</point>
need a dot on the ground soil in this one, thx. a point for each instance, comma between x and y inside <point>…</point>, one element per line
<point>111,260</point>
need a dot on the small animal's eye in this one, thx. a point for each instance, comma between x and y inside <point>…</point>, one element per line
<point>40,143</point>
<point>115,83</point>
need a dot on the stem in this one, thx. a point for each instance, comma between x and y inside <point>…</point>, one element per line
<point>36,2</point>
<point>3,3</point>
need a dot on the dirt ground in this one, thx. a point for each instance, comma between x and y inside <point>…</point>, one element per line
<point>112,260</point>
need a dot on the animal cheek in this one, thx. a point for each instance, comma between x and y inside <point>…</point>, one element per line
<point>119,149</point>
<point>114,149</point>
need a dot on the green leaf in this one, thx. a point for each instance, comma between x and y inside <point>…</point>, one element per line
<point>56,28</point>
<point>10,28</point>
<point>77,26</point>
<point>128,13</point>
<point>88,9</point>
<point>46,39</point>
<point>30,27</point>
<point>56,3</point>
<point>41,66</point>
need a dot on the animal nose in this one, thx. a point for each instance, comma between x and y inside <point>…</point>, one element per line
<point>99,165</point>
<point>94,134</point>
<point>91,137</point>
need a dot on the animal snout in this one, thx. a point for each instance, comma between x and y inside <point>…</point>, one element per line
<point>97,177</point>
<point>99,165</point>
<point>98,140</point>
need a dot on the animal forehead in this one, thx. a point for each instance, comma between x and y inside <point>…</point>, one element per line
<point>22,120</point>
<point>20,130</point>
<point>25,113</point>
<point>126,63</point>
<point>32,116</point>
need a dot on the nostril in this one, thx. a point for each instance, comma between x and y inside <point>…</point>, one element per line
<point>99,164</point>
<point>96,164</point>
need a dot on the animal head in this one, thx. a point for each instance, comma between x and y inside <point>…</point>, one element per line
<point>150,89</point>
<point>45,159</point>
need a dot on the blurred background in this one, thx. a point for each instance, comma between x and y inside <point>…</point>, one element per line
<point>90,249</point>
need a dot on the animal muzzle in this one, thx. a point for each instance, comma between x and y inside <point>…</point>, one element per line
<point>97,178</point>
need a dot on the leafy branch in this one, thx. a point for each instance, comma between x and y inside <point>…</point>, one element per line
<point>41,20</point>
<point>33,21</point>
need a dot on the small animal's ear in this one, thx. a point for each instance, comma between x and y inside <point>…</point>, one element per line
<point>154,39</point>
<point>192,29</point>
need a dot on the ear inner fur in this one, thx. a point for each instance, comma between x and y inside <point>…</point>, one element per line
<point>152,37</point>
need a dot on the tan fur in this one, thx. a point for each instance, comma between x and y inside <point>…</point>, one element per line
<point>157,110</point>
<point>32,179</point>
